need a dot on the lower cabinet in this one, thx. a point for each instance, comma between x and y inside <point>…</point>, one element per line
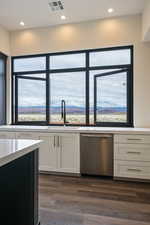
<point>132,169</point>
<point>69,153</point>
<point>48,155</point>
<point>27,135</point>
<point>59,152</point>
<point>132,156</point>
<point>7,135</point>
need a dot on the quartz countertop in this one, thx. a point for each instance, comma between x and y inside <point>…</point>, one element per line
<point>11,149</point>
<point>71,129</point>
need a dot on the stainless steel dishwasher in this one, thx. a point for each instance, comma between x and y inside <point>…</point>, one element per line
<point>97,154</point>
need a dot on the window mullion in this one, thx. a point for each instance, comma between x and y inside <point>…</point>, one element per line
<point>16,100</point>
<point>87,88</point>
<point>47,89</point>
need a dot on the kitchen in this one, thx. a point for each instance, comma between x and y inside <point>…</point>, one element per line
<point>83,101</point>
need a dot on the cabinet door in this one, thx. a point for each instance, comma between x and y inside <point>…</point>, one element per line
<point>69,154</point>
<point>48,153</point>
<point>7,135</point>
<point>132,169</point>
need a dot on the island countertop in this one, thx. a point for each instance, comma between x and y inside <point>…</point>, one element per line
<point>11,149</point>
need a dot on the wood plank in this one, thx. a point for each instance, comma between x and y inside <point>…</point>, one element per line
<point>93,201</point>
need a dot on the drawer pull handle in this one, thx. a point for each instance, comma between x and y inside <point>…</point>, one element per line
<point>54,142</point>
<point>134,139</point>
<point>138,153</point>
<point>134,170</point>
<point>58,142</point>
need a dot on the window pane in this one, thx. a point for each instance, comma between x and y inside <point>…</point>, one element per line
<point>91,91</point>
<point>71,88</point>
<point>67,61</point>
<point>30,64</point>
<point>109,58</point>
<point>31,100</point>
<point>111,104</point>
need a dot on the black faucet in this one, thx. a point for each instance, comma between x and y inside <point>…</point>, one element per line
<point>63,111</point>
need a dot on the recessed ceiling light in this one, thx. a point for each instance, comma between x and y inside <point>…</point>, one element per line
<point>110,10</point>
<point>21,23</point>
<point>63,17</point>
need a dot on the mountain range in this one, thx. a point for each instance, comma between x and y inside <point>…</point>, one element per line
<point>69,109</point>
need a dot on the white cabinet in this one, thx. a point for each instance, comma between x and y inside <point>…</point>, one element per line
<point>60,153</point>
<point>7,135</point>
<point>48,156</point>
<point>132,139</point>
<point>132,156</point>
<point>132,152</point>
<point>132,169</point>
<point>69,153</point>
<point>27,135</point>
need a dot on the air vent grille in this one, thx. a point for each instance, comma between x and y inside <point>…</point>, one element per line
<point>56,5</point>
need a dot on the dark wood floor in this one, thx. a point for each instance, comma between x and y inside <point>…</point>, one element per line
<point>92,201</point>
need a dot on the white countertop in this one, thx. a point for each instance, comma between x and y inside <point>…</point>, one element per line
<point>11,149</point>
<point>69,129</point>
<point>66,129</point>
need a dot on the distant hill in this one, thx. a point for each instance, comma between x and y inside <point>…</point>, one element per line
<point>112,109</point>
<point>69,109</point>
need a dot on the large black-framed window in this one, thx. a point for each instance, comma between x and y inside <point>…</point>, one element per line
<point>96,86</point>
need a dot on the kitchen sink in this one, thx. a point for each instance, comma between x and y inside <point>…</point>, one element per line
<point>63,127</point>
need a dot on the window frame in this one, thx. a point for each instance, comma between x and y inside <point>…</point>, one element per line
<point>85,97</point>
<point>16,100</point>
<point>105,124</point>
<point>85,69</point>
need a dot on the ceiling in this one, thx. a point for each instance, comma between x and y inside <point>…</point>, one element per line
<point>36,13</point>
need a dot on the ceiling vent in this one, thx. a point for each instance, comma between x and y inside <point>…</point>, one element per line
<point>56,5</point>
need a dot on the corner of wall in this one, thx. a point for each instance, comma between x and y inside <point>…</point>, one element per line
<point>146,22</point>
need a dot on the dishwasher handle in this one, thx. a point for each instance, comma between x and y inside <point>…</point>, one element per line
<point>96,136</point>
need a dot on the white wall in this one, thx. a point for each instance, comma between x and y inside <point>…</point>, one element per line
<point>99,33</point>
<point>146,22</point>
<point>4,41</point>
<point>96,34</point>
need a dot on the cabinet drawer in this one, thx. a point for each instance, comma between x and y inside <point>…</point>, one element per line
<point>129,139</point>
<point>133,152</point>
<point>7,135</point>
<point>27,135</point>
<point>140,170</point>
